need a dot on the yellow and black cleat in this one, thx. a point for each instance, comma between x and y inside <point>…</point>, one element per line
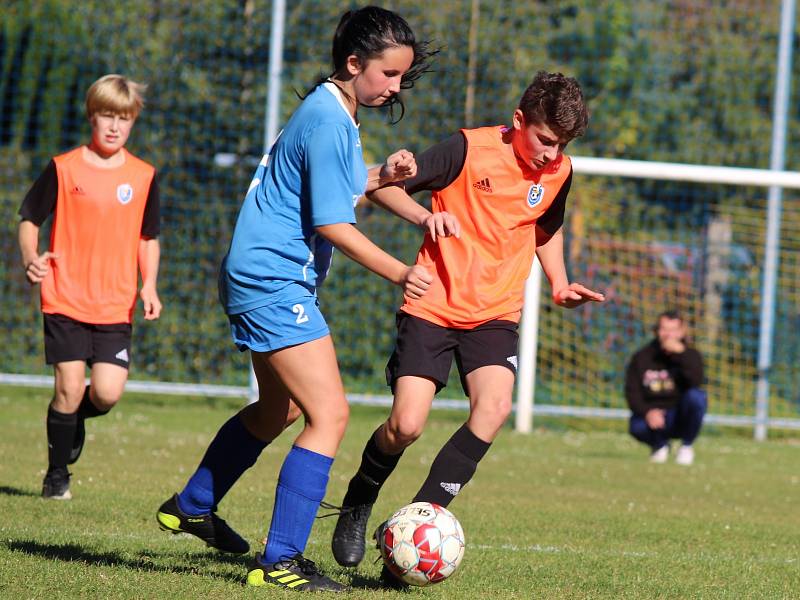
<point>296,573</point>
<point>208,527</point>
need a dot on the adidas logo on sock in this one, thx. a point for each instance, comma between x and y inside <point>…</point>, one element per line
<point>122,355</point>
<point>483,185</point>
<point>451,488</point>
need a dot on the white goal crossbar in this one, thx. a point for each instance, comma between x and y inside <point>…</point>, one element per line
<point>644,169</point>
<point>612,167</point>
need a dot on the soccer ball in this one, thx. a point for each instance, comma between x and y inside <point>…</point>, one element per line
<point>422,543</point>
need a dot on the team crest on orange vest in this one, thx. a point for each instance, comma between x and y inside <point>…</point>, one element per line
<point>124,193</point>
<point>535,194</point>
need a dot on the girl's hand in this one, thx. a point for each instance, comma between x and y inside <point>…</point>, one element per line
<point>442,224</point>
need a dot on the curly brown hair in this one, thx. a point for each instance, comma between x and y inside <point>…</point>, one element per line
<point>555,100</point>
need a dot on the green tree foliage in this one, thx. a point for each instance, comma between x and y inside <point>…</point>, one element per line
<point>680,81</point>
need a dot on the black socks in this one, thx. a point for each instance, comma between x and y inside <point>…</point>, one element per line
<point>60,433</point>
<point>87,409</point>
<point>372,474</point>
<point>453,467</point>
<point>61,430</point>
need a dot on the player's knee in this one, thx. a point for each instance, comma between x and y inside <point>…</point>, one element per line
<point>106,391</point>
<point>337,417</point>
<point>404,430</point>
<point>106,400</point>
<point>68,396</point>
<point>494,408</point>
<point>504,406</point>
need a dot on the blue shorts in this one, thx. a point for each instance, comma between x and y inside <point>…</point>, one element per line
<point>279,325</point>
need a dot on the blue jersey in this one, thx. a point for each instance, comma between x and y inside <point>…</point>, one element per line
<point>313,176</point>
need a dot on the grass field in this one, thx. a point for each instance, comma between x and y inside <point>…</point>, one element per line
<point>562,513</point>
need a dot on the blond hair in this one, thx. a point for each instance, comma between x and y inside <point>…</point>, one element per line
<point>115,94</point>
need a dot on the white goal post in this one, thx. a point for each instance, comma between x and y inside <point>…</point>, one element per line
<point>609,167</point>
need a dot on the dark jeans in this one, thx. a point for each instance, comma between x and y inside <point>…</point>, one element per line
<point>683,421</point>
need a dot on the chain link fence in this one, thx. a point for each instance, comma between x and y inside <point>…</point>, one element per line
<point>687,81</point>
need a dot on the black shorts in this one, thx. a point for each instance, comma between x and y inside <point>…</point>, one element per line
<point>66,339</point>
<point>424,349</point>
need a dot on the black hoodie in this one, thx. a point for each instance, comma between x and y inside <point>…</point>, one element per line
<point>656,379</point>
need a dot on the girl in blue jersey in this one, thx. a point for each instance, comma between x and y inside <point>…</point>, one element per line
<point>300,205</point>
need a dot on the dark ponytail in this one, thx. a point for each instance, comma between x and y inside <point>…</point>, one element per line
<point>367,33</point>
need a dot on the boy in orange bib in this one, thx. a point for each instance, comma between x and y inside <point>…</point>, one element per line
<point>105,207</point>
<point>501,193</point>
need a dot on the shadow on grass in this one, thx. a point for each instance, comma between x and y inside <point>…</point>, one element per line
<point>148,562</point>
<point>358,581</point>
<point>6,490</point>
<point>142,562</point>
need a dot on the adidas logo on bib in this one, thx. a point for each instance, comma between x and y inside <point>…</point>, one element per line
<point>483,185</point>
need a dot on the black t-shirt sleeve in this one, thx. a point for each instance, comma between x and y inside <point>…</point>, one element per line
<point>439,165</point>
<point>40,201</point>
<point>553,217</point>
<point>151,222</point>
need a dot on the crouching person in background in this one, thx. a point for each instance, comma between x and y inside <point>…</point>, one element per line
<point>662,387</point>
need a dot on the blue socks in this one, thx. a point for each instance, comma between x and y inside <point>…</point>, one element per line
<point>301,487</point>
<point>231,453</point>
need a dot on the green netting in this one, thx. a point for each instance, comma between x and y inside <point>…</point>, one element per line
<point>683,81</point>
<point>653,246</point>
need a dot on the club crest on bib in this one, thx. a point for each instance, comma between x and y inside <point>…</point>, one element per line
<point>535,194</point>
<point>124,193</point>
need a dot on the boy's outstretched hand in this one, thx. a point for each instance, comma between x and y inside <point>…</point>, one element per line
<point>442,224</point>
<point>575,294</point>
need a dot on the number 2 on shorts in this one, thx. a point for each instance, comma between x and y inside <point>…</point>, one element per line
<point>300,311</point>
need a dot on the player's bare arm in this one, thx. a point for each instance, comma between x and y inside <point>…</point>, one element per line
<point>396,200</point>
<point>414,280</point>
<point>149,258</point>
<point>36,265</point>
<point>565,294</point>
